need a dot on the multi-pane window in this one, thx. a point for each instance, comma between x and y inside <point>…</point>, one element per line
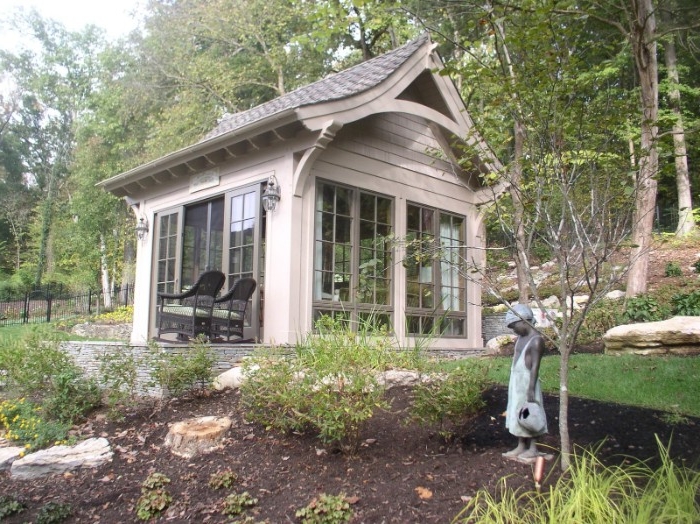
<point>352,261</point>
<point>435,284</point>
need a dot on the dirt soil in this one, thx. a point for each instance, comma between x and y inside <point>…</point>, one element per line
<point>403,474</point>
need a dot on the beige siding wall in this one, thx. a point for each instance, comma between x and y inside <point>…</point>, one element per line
<point>394,155</point>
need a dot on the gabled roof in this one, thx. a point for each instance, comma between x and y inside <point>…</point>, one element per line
<point>344,84</point>
<point>402,80</point>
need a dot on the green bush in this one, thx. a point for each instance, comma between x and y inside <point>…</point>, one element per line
<point>686,304</point>
<point>30,362</point>
<point>451,400</point>
<point>71,396</point>
<point>118,374</point>
<point>643,308</point>
<point>601,317</point>
<point>10,505</point>
<point>178,373</point>
<point>673,270</point>
<point>329,385</point>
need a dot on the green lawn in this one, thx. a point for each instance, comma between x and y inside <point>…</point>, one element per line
<point>659,382</point>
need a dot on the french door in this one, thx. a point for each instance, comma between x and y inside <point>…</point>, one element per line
<point>225,233</point>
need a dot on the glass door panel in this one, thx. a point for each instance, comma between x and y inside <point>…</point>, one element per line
<point>202,240</point>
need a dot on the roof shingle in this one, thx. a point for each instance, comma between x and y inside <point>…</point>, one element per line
<point>337,86</point>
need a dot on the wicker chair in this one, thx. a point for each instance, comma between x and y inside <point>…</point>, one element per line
<point>228,316</point>
<point>189,314</point>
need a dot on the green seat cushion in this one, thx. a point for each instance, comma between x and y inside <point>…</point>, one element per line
<point>184,311</point>
<point>224,314</point>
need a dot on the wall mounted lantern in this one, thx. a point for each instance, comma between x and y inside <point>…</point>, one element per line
<point>142,228</point>
<point>271,195</point>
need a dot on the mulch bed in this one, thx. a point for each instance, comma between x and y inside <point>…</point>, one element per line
<point>404,474</point>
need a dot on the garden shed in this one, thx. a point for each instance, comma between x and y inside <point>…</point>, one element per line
<point>314,195</point>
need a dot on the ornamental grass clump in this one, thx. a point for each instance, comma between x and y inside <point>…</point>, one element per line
<point>593,493</point>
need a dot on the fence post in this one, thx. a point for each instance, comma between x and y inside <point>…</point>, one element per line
<point>25,313</point>
<point>48,306</point>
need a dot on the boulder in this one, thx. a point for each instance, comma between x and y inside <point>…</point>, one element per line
<point>676,336</point>
<point>89,453</point>
<point>495,345</point>
<point>233,378</point>
<point>616,294</point>
<point>9,455</point>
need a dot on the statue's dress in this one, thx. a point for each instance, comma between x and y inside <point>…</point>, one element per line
<point>517,395</point>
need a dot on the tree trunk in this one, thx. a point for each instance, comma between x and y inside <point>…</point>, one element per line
<point>104,272</point>
<point>642,34</point>
<point>686,222</point>
<point>564,408</point>
<point>521,264</point>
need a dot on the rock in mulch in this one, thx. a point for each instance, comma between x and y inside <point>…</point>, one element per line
<point>89,453</point>
<point>9,455</point>
<point>675,336</point>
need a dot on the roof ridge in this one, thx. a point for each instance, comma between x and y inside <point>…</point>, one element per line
<point>335,86</point>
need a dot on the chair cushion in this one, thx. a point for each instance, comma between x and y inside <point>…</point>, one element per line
<point>184,311</point>
<point>224,314</point>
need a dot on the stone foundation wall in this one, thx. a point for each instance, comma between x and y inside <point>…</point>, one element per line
<point>493,325</point>
<point>89,354</point>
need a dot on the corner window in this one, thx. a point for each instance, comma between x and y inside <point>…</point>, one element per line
<point>352,260</point>
<point>435,285</point>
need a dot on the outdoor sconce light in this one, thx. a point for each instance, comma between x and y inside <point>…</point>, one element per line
<point>141,228</point>
<point>271,195</point>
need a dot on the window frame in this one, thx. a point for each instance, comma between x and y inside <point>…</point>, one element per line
<point>427,316</point>
<point>351,309</point>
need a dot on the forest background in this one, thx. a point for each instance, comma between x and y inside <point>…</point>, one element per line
<point>558,86</point>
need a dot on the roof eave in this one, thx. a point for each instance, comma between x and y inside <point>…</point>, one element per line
<point>188,153</point>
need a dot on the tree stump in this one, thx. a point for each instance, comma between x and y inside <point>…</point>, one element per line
<point>197,436</point>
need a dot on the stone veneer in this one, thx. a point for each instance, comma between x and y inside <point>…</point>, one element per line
<point>87,355</point>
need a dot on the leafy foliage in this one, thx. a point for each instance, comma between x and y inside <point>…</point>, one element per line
<point>10,505</point>
<point>25,423</point>
<point>177,373</point>
<point>644,308</point>
<point>154,497</point>
<point>686,304</point>
<point>326,509</point>
<point>222,479</point>
<point>673,270</point>
<point>53,513</point>
<point>237,503</point>
<point>329,385</point>
<point>451,400</point>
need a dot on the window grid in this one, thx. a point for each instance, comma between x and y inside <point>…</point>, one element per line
<point>435,285</point>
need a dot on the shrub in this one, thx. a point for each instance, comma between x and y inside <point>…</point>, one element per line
<point>71,396</point>
<point>453,399</point>
<point>326,509</point>
<point>178,373</point>
<point>601,317</point>
<point>329,385</point>
<point>686,304</point>
<point>118,373</point>
<point>643,308</point>
<point>121,315</point>
<point>29,363</point>
<point>673,270</point>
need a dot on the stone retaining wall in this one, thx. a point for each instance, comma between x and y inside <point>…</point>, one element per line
<point>493,325</point>
<point>88,355</point>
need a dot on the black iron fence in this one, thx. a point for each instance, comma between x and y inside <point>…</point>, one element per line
<point>48,305</point>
